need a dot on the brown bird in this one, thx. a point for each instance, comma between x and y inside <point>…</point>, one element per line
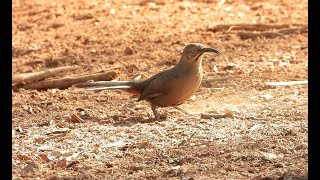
<point>171,87</point>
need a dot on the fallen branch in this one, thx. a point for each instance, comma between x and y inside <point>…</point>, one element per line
<point>286,83</point>
<point>250,27</point>
<point>37,76</point>
<point>251,35</point>
<point>64,83</point>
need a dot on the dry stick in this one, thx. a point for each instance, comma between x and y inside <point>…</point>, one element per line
<point>64,83</point>
<point>208,116</point>
<point>251,35</point>
<point>216,79</point>
<point>37,76</point>
<point>216,116</point>
<point>250,27</point>
<point>286,83</point>
<point>59,135</point>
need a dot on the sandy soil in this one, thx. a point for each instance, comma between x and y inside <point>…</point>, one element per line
<point>266,137</point>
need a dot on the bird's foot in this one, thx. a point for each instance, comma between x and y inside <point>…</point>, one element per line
<point>159,117</point>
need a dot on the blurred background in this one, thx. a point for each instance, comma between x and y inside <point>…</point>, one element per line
<point>261,41</point>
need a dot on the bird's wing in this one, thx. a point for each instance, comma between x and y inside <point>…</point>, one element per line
<point>157,86</point>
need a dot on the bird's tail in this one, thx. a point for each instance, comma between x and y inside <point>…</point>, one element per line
<point>104,85</point>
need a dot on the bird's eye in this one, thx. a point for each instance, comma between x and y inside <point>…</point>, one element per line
<point>193,50</point>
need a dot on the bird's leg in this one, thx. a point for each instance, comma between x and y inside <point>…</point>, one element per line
<point>181,110</point>
<point>155,112</point>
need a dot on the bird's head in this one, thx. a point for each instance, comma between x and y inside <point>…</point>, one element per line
<point>192,53</point>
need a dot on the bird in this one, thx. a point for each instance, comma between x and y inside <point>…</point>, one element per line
<point>169,88</point>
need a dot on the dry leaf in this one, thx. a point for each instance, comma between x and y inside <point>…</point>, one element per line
<point>39,140</point>
<point>105,121</point>
<point>69,158</point>
<point>255,127</point>
<point>215,69</point>
<point>53,91</point>
<point>96,150</point>
<point>44,157</point>
<point>136,168</point>
<point>137,77</point>
<point>62,163</point>
<point>228,114</point>
<point>60,124</point>
<point>56,153</point>
<point>19,129</point>
<point>44,148</point>
<point>116,144</point>
<point>59,131</point>
<point>72,163</point>
<point>128,51</point>
<point>269,156</point>
<point>24,157</point>
<point>143,144</point>
<point>266,96</point>
<point>75,119</point>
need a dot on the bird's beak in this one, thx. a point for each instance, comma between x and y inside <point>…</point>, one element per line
<point>207,49</point>
<point>211,50</point>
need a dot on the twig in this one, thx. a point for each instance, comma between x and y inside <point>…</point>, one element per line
<point>37,76</point>
<point>57,136</point>
<point>59,131</point>
<point>286,83</point>
<point>181,110</point>
<point>112,68</point>
<point>64,83</point>
<point>185,141</point>
<point>249,27</point>
<point>228,114</point>
<point>208,116</point>
<point>216,79</point>
<point>251,35</point>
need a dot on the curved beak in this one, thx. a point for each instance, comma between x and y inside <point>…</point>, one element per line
<point>207,49</point>
<point>211,50</point>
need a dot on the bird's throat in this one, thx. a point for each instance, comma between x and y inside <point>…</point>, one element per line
<point>198,58</point>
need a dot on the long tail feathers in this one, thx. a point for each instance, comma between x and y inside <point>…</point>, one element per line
<point>104,85</point>
<point>106,88</point>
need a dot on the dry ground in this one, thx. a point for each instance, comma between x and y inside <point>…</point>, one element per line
<point>265,138</point>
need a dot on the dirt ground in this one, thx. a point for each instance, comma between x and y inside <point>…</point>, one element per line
<point>265,136</point>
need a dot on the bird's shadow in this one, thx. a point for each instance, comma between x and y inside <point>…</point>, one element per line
<point>130,121</point>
